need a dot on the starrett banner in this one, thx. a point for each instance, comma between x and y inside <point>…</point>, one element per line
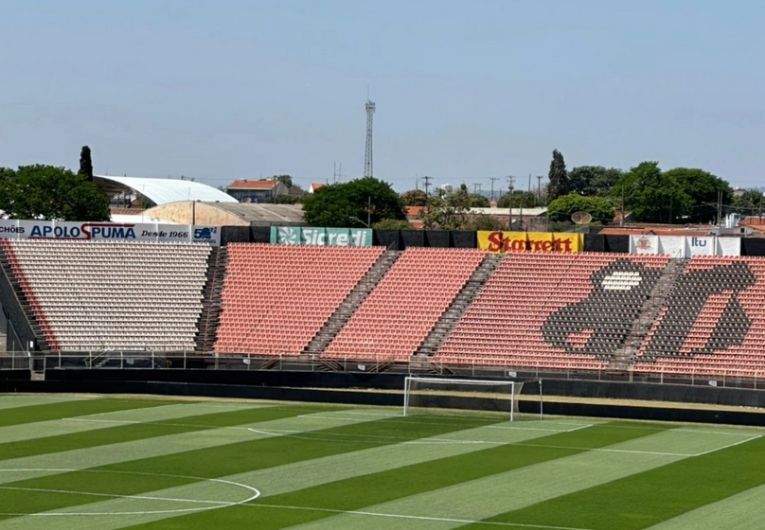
<point>529,241</point>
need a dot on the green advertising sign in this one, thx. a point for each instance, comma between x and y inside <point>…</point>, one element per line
<point>340,237</point>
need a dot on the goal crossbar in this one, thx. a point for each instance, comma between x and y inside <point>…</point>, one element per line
<point>512,386</point>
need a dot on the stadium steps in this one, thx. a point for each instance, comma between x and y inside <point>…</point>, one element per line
<point>209,318</point>
<point>355,298</point>
<point>624,357</point>
<point>452,315</point>
<point>23,302</point>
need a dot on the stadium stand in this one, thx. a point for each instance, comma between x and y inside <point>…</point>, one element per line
<point>100,296</point>
<point>277,297</point>
<point>553,311</point>
<point>714,324</point>
<point>400,312</point>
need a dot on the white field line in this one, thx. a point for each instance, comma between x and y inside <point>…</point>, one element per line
<point>413,517</point>
<point>440,441</point>
<point>253,493</point>
<point>733,444</point>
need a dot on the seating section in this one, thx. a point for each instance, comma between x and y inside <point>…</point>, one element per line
<point>713,323</point>
<point>122,296</point>
<point>401,311</point>
<point>276,298</point>
<point>553,311</point>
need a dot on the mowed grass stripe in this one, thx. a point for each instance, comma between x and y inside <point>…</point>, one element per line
<point>29,431</point>
<point>648,498</point>
<point>69,409</point>
<point>743,511</point>
<point>450,507</point>
<point>211,463</point>
<point>51,463</point>
<point>138,431</point>
<point>300,475</point>
<point>279,511</point>
<point>9,401</point>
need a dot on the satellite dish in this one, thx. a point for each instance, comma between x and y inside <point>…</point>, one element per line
<point>581,218</point>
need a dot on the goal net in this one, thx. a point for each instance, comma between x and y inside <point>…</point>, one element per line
<point>424,394</point>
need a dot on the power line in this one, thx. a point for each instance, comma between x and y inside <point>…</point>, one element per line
<point>493,180</point>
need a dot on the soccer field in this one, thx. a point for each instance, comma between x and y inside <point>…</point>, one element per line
<point>89,462</point>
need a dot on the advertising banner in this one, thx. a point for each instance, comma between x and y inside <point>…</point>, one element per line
<point>645,244</point>
<point>685,246</point>
<point>98,231</point>
<point>341,237</point>
<point>674,246</point>
<point>498,241</point>
<point>728,246</point>
<point>703,246</point>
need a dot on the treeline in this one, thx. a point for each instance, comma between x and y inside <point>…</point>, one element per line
<point>46,192</point>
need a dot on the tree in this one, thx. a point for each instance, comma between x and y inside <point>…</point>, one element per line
<point>519,199</point>
<point>484,222</point>
<point>593,180</point>
<point>702,188</point>
<point>748,202</point>
<point>478,201</point>
<point>560,210</point>
<point>442,213</point>
<point>86,164</point>
<point>47,192</point>
<point>413,198</point>
<point>459,199</point>
<point>359,202</point>
<point>392,224</point>
<point>559,184</point>
<point>284,179</point>
<point>651,195</point>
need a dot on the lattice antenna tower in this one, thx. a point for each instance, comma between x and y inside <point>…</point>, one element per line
<point>370,108</point>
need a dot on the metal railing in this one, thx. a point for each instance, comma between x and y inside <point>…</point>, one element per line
<point>125,360</point>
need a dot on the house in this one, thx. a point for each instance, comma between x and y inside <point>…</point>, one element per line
<point>315,186</point>
<point>263,190</point>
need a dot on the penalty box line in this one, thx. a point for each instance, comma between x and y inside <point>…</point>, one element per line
<point>409,517</point>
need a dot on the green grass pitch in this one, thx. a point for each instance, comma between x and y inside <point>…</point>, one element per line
<point>91,462</point>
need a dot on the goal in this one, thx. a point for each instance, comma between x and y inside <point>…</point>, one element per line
<point>422,394</point>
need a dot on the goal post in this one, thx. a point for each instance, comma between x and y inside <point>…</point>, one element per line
<point>423,393</point>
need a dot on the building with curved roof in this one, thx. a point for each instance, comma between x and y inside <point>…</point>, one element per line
<point>161,191</point>
<point>226,214</point>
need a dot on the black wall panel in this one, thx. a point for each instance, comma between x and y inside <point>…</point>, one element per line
<point>437,238</point>
<point>463,239</point>
<point>753,246</point>
<point>617,244</point>
<point>594,243</point>
<point>413,238</point>
<point>390,239</point>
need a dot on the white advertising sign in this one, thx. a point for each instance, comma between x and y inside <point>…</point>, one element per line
<point>98,231</point>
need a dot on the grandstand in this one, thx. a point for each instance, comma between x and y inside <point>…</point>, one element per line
<point>553,312</point>
<point>276,298</point>
<point>100,296</point>
<point>394,320</point>
<point>435,309</point>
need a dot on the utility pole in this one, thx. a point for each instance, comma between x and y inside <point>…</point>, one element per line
<point>493,180</point>
<point>621,217</point>
<point>427,187</point>
<point>539,188</point>
<point>510,182</point>
<point>477,188</point>
<point>719,207</point>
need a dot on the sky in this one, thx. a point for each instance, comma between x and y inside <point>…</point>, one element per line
<point>465,91</point>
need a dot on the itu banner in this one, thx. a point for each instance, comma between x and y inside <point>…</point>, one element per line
<point>97,231</point>
<point>498,241</point>
<point>339,237</point>
<point>685,246</point>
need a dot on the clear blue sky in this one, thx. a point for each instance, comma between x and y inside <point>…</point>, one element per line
<point>465,91</point>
